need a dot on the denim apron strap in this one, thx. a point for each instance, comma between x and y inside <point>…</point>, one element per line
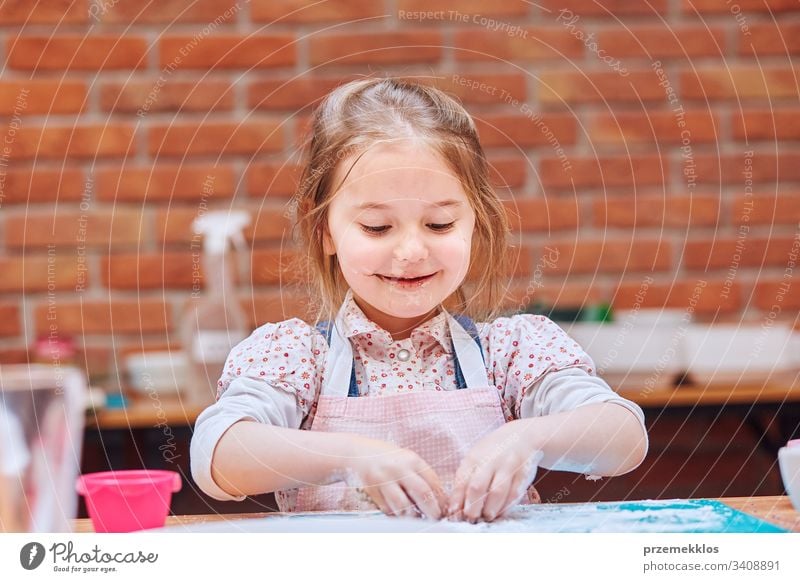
<point>472,331</point>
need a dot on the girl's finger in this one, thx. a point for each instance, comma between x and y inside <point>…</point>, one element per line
<point>434,485</point>
<point>377,498</point>
<point>455,505</point>
<point>523,479</point>
<point>517,490</point>
<point>499,491</point>
<point>397,500</point>
<point>424,498</point>
<point>475,495</point>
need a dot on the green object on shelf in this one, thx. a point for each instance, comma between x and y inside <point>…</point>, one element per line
<point>599,313</point>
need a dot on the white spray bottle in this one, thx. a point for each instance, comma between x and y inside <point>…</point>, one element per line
<point>214,322</point>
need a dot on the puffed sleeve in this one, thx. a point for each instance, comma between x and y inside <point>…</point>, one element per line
<point>544,371</point>
<point>273,377</point>
<point>523,348</point>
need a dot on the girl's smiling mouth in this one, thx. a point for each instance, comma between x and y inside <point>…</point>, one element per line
<point>408,282</point>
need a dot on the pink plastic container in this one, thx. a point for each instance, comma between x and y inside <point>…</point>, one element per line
<point>123,501</point>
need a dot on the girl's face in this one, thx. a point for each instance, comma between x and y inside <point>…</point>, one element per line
<point>401,227</point>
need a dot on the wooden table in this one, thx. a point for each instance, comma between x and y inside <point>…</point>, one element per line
<point>774,509</point>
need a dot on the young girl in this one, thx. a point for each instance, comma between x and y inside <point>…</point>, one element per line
<point>404,403</point>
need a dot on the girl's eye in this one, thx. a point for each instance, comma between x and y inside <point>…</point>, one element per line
<point>374,229</point>
<point>442,227</point>
<point>382,229</point>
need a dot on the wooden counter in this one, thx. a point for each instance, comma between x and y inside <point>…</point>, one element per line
<point>143,412</point>
<point>775,509</point>
<point>146,413</point>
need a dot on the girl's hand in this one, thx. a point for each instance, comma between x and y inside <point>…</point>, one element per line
<point>397,480</point>
<point>495,474</point>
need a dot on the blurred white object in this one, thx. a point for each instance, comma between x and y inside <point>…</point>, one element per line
<point>643,348</point>
<point>41,434</point>
<point>731,353</point>
<point>789,461</point>
<point>157,372</point>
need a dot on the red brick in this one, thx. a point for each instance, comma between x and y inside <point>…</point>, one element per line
<point>174,226</point>
<point>522,258</point>
<point>770,39</point>
<point>606,9</point>
<point>65,228</point>
<point>275,306</point>
<point>483,88</point>
<point>604,172</point>
<point>739,82</point>
<point>653,128</point>
<point>600,87</point>
<point>768,209</point>
<point>766,124</point>
<point>610,255</point>
<point>715,6</point>
<point>708,299</point>
<point>471,8</point>
<point>215,138</point>
<point>228,52</point>
<point>660,211</point>
<point>291,93</point>
<point>41,96</point>
<point>420,46</point>
<point>766,167</point>
<point>551,291</point>
<point>300,11</point>
<point>9,320</point>
<point>662,42</point>
<point>542,214</point>
<point>134,317</point>
<point>531,130</point>
<point>770,292</point>
<point>167,270</point>
<point>14,355</point>
<point>302,131</point>
<point>142,97</point>
<point>273,179</point>
<point>65,53</point>
<point>166,182</point>
<point>272,266</point>
<point>220,12</point>
<point>29,273</point>
<point>269,224</point>
<point>507,171</point>
<point>41,185</point>
<point>59,143</point>
<point>727,252</point>
<point>528,44</point>
<point>44,12</point>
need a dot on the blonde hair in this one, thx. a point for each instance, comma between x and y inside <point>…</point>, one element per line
<point>361,113</point>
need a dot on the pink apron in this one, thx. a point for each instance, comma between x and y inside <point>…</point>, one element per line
<point>440,426</point>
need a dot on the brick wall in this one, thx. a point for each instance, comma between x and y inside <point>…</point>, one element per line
<point>631,140</point>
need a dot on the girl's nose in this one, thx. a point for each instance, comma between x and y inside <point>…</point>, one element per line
<point>411,249</point>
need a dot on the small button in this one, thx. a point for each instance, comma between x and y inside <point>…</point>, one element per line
<point>403,355</point>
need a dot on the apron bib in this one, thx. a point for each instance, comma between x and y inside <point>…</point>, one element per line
<point>441,427</point>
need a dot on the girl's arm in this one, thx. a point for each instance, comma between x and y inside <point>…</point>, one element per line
<point>600,439</point>
<point>252,458</point>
